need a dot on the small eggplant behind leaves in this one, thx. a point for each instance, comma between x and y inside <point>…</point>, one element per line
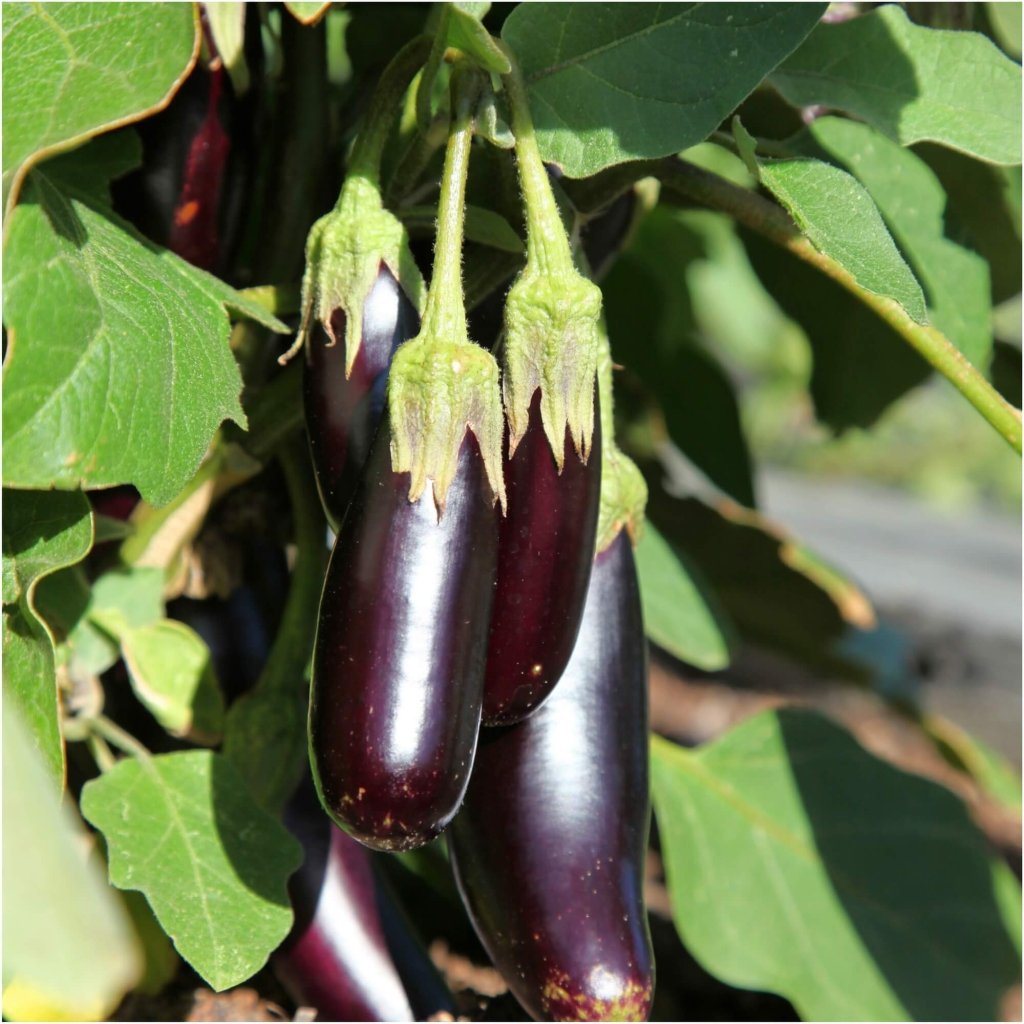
<point>549,847</point>
<point>342,413</point>
<point>545,551</point>
<point>398,663</point>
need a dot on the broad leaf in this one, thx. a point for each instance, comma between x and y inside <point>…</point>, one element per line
<point>71,70</point>
<point>839,216</point>
<point>679,615</point>
<point>183,829</point>
<point>987,767</point>
<point>614,82</point>
<point>861,365</point>
<point>910,198</point>
<point>126,376</point>
<point>42,532</point>
<point>171,673</point>
<point>69,949</point>
<point>911,83</point>
<point>800,864</point>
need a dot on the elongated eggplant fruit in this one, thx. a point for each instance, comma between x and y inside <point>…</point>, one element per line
<point>549,846</point>
<point>339,957</point>
<point>545,551</point>
<point>398,663</point>
<point>342,413</point>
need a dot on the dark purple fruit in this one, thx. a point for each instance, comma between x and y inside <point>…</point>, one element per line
<point>398,662</point>
<point>339,957</point>
<point>545,551</point>
<point>342,413</point>
<point>549,847</point>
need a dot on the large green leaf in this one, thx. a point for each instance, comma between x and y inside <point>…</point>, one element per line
<point>42,533</point>
<point>123,373</point>
<point>183,829</point>
<point>679,614</point>
<point>69,949</point>
<point>800,864</point>
<point>839,216</point>
<point>911,199</point>
<point>71,70</point>
<point>911,83</point>
<point>613,82</point>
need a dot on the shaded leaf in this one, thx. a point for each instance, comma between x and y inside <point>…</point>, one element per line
<point>839,216</point>
<point>794,859</point>
<point>183,830</point>
<point>911,83</point>
<point>679,615</point>
<point>607,83</point>
<point>71,70</point>
<point>911,199</point>
<point>69,949</point>
<point>128,375</point>
<point>466,33</point>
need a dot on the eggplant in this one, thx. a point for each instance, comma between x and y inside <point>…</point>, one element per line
<point>548,850</point>
<point>342,413</point>
<point>545,551</point>
<point>350,954</point>
<point>398,662</point>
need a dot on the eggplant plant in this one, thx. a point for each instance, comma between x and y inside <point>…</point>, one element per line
<point>384,392</point>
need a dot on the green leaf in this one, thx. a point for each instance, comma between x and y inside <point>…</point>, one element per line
<point>911,199</point>
<point>42,532</point>
<point>614,82</point>
<point>183,830</point>
<point>482,226</point>
<point>466,33</point>
<point>800,864</point>
<point>171,673</point>
<point>124,373</point>
<point>71,70</point>
<point>227,27</point>
<point>679,615</point>
<point>309,12</point>
<point>861,366</point>
<point>839,216</point>
<point>911,83</point>
<point>1005,19</point>
<point>69,949</point>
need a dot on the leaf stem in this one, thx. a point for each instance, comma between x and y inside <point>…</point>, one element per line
<point>101,752</point>
<point>547,246</point>
<point>387,98</point>
<point>113,733</point>
<point>760,215</point>
<point>445,313</point>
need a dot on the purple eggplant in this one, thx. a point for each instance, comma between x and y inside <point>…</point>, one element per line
<point>549,847</point>
<point>545,551</point>
<point>398,663</point>
<point>340,957</point>
<point>342,413</point>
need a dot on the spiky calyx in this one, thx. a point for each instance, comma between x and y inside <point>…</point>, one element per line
<point>344,254</point>
<point>437,391</point>
<point>552,343</point>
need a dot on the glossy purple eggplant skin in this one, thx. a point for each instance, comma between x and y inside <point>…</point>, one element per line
<point>549,847</point>
<point>398,662</point>
<point>340,956</point>
<point>545,551</point>
<point>342,413</point>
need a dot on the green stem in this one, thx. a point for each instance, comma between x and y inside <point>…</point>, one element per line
<point>387,98</point>
<point>415,159</point>
<point>433,65</point>
<point>547,246</point>
<point>767,219</point>
<point>101,752</point>
<point>113,733</point>
<point>445,312</point>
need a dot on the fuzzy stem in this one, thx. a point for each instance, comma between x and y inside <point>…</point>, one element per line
<point>764,217</point>
<point>445,312</point>
<point>547,246</point>
<point>387,98</point>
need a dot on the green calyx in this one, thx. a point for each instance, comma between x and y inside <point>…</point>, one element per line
<point>437,391</point>
<point>623,488</point>
<point>344,254</point>
<point>552,343</point>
